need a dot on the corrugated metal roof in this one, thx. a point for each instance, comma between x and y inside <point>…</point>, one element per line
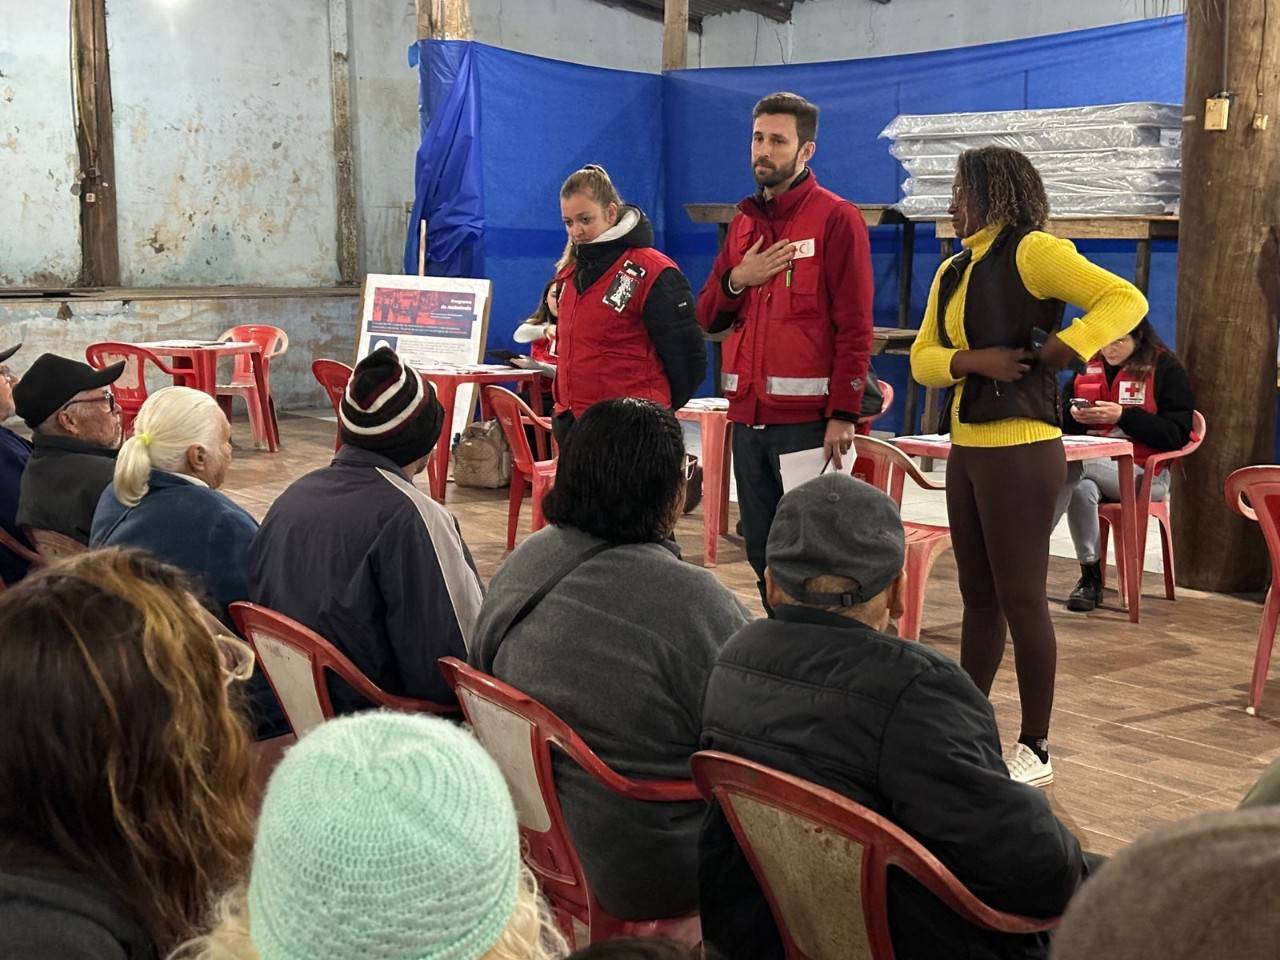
<point>779,10</point>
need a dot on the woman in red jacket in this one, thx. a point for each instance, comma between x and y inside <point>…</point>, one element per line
<point>625,313</point>
<point>1134,388</point>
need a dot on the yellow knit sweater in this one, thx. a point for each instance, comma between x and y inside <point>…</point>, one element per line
<point>1051,269</point>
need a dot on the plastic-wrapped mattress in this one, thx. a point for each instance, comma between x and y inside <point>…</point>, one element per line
<point>1121,159</point>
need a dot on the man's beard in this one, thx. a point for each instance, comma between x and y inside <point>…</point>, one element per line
<point>777,175</point>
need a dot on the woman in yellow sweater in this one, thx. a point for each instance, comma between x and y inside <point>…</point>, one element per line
<point>992,336</point>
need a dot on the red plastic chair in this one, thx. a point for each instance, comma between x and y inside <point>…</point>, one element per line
<point>886,391</point>
<point>885,466</point>
<point>1109,515</point>
<point>518,732</point>
<point>823,862</point>
<point>334,377</point>
<point>130,390</point>
<point>297,662</point>
<point>20,550</point>
<point>274,343</point>
<point>515,415</point>
<point>1254,492</point>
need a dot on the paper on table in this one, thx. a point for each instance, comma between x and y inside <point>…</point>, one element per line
<point>803,465</point>
<point>1088,438</point>
<point>925,438</point>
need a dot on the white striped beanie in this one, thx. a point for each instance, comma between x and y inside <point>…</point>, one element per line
<point>390,408</point>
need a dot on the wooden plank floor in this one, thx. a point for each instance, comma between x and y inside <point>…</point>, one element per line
<point>1149,725</point>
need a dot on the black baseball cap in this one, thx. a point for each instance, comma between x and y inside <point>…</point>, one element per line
<point>6,354</point>
<point>53,380</point>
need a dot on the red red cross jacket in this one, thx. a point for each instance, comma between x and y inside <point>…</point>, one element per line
<point>1129,390</point>
<point>603,348</point>
<point>626,326</point>
<point>801,342</point>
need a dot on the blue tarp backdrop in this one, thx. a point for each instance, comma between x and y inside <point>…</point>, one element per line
<point>502,130</point>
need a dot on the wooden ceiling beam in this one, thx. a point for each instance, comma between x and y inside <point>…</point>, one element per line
<point>778,12</point>
<point>650,11</point>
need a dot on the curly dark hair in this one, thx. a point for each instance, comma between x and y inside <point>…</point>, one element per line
<point>621,473</point>
<point>1001,186</point>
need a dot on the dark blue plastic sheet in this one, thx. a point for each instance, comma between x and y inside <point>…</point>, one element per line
<point>502,130</point>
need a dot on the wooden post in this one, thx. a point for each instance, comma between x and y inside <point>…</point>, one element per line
<point>343,150</point>
<point>1226,329</point>
<point>675,34</point>
<point>444,19</point>
<point>99,236</point>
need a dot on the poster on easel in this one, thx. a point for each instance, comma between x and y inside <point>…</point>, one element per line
<point>431,323</point>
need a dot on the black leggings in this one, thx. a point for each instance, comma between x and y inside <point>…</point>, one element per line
<point>1000,503</point>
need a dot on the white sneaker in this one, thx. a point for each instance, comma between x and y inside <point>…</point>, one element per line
<point>1026,767</point>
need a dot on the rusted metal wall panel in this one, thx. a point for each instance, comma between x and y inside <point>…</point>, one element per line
<point>39,217</point>
<point>224,142</point>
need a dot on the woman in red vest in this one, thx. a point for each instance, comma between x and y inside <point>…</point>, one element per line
<point>1134,388</point>
<point>625,314</point>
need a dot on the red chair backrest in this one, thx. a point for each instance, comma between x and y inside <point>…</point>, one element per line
<point>885,467</point>
<point>297,660</point>
<point>130,389</point>
<point>823,860</point>
<point>518,732</point>
<point>514,414</point>
<point>273,341</point>
<point>333,376</point>
<point>1254,492</point>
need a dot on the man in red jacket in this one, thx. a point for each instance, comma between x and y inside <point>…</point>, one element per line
<point>794,283</point>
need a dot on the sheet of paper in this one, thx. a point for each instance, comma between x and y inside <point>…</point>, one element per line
<point>181,344</point>
<point>707,403</point>
<point>925,438</point>
<point>1087,438</point>
<point>803,465</point>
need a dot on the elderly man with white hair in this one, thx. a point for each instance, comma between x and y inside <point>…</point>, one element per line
<point>164,499</point>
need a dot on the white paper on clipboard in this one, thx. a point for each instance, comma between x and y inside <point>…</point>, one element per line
<point>803,465</point>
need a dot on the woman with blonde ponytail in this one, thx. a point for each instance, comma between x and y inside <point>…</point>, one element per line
<point>164,499</point>
<point>623,311</point>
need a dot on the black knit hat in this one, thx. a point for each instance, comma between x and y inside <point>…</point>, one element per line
<point>390,409</point>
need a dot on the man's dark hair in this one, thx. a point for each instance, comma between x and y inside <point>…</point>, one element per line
<point>1002,186</point>
<point>621,473</point>
<point>806,113</point>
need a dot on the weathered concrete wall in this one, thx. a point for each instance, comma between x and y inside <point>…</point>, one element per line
<point>39,218</point>
<point>224,143</point>
<point>849,29</point>
<point>581,31</point>
<point>320,323</point>
<point>384,110</point>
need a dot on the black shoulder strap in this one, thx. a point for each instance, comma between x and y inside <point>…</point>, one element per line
<point>540,594</point>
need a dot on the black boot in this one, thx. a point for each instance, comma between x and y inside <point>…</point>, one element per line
<point>1088,592</point>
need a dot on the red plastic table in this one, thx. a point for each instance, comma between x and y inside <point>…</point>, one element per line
<point>447,380</point>
<point>716,462</point>
<point>202,356</point>
<point>1121,451</point>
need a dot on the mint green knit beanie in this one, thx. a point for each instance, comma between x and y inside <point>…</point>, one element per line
<point>384,836</point>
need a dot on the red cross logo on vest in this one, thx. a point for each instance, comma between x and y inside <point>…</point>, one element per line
<point>1133,393</point>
